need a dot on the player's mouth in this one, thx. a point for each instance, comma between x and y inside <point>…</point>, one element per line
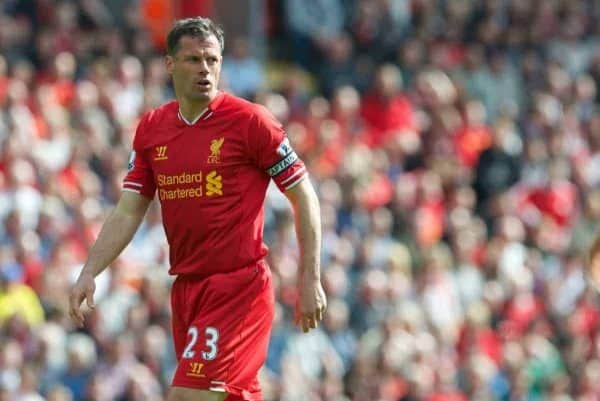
<point>204,84</point>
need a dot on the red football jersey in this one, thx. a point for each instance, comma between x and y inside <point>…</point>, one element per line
<point>211,176</point>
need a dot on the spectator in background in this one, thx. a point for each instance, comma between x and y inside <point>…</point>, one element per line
<point>497,169</point>
<point>386,110</point>
<point>473,137</point>
<point>17,298</point>
<point>378,26</point>
<point>243,73</point>
<point>340,67</point>
<point>29,383</point>
<point>588,223</point>
<point>502,87</point>
<point>82,357</point>
<point>312,26</point>
<point>59,393</point>
<point>411,55</point>
<point>342,337</point>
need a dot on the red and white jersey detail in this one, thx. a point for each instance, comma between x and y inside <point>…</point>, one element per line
<point>294,179</point>
<point>204,115</point>
<point>211,176</point>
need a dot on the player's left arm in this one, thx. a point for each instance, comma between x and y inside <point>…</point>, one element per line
<point>272,152</point>
<point>312,301</point>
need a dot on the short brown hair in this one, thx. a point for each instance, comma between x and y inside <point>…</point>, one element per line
<point>195,27</point>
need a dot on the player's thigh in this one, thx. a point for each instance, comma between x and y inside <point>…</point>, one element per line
<point>192,394</point>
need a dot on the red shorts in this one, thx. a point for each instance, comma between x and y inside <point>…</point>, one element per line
<point>221,329</point>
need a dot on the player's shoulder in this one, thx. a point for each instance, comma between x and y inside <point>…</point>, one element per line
<point>161,114</point>
<point>156,123</point>
<point>236,105</point>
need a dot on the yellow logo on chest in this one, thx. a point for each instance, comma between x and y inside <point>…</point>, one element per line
<point>214,184</point>
<point>215,151</point>
<point>161,153</point>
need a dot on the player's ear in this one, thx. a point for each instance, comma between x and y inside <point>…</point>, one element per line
<point>169,63</point>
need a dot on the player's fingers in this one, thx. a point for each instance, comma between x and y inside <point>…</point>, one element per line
<point>320,314</point>
<point>306,324</point>
<point>89,296</point>
<point>311,322</point>
<point>74,311</point>
<point>72,303</point>
<point>76,319</point>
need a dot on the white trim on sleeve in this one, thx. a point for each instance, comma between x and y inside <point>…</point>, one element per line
<point>291,177</point>
<point>135,184</point>
<point>293,184</point>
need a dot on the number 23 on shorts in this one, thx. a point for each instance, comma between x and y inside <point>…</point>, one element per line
<point>212,336</point>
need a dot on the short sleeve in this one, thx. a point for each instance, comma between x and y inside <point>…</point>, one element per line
<point>271,150</point>
<point>139,176</point>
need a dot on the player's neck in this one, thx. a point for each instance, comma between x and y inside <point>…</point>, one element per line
<point>192,110</point>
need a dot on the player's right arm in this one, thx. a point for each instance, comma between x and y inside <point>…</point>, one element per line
<point>117,231</point>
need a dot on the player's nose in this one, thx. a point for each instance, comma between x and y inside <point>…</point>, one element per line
<point>203,67</point>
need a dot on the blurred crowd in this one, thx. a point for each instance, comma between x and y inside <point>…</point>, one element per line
<point>455,147</point>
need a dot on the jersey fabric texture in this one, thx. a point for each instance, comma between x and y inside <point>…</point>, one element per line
<point>211,177</point>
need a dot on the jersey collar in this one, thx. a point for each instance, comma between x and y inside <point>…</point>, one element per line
<point>186,121</point>
<point>205,114</point>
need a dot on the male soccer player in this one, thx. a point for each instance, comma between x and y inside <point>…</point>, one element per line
<point>209,157</point>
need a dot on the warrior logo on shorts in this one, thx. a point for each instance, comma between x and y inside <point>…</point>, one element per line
<point>196,370</point>
<point>215,150</point>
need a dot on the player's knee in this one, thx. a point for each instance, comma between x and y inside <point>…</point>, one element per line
<point>190,394</point>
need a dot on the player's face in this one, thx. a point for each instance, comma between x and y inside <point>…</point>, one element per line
<point>196,68</point>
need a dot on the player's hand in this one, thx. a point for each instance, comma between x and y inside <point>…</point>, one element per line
<point>311,305</point>
<point>83,288</point>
